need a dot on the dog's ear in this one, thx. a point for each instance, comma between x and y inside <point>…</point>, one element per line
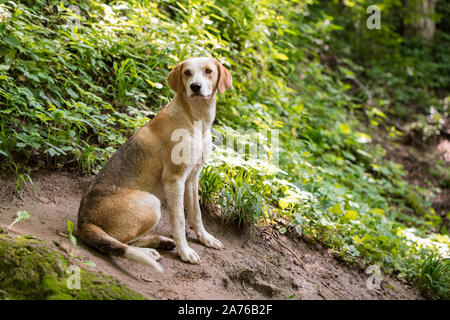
<point>174,78</point>
<point>224,81</point>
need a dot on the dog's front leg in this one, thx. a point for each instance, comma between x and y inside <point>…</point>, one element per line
<point>174,190</point>
<point>195,215</point>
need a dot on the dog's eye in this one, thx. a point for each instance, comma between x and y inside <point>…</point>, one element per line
<point>208,71</point>
<point>187,73</point>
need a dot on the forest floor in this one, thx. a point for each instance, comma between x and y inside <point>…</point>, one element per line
<point>259,265</point>
<point>425,164</point>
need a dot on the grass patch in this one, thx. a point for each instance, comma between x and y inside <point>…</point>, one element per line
<point>434,278</point>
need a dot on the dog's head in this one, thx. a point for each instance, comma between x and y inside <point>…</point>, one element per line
<point>199,78</point>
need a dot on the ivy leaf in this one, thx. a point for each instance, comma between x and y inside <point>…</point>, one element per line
<point>336,209</point>
<point>52,152</point>
<point>281,56</point>
<point>12,41</point>
<point>70,226</point>
<point>23,215</point>
<point>156,85</point>
<point>73,240</point>
<point>283,203</point>
<point>351,214</point>
<point>299,219</point>
<point>344,128</point>
<point>362,137</point>
<point>356,239</point>
<point>20,215</point>
<point>377,211</point>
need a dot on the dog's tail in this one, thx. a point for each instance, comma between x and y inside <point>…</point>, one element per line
<point>100,240</point>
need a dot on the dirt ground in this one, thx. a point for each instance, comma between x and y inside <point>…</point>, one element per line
<point>264,265</point>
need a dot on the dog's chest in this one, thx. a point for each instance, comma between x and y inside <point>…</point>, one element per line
<point>202,143</point>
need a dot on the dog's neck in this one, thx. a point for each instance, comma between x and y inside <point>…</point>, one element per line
<point>199,109</point>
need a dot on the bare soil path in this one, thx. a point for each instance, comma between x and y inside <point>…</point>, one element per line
<point>265,265</point>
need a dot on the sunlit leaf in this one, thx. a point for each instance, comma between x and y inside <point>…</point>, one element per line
<point>351,214</point>
<point>344,128</point>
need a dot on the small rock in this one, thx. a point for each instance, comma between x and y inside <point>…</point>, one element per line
<point>44,200</point>
<point>225,282</point>
<point>61,234</point>
<point>146,279</point>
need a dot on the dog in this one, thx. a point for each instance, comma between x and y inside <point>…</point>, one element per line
<point>125,199</point>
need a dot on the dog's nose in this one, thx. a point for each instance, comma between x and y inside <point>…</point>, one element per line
<point>195,87</point>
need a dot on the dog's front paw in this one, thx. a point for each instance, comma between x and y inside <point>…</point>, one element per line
<point>189,255</point>
<point>210,241</point>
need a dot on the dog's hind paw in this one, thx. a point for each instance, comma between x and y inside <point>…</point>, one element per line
<point>153,253</point>
<point>145,256</point>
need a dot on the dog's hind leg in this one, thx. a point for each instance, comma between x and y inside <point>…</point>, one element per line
<point>99,239</point>
<point>156,242</point>
<point>108,223</point>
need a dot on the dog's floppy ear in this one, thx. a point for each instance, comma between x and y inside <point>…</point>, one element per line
<point>174,78</point>
<point>224,81</point>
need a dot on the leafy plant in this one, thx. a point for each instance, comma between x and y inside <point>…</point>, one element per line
<point>22,178</point>
<point>434,278</point>
<point>73,242</point>
<point>20,215</point>
<point>72,239</point>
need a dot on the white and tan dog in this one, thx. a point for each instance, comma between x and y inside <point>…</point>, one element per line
<point>124,200</point>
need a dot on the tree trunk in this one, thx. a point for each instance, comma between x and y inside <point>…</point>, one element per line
<point>419,21</point>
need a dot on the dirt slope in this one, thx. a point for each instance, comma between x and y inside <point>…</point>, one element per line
<point>261,266</point>
<point>425,164</point>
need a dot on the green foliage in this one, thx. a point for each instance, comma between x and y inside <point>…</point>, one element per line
<point>20,215</point>
<point>441,171</point>
<point>72,239</point>
<point>434,277</point>
<point>399,69</point>
<point>70,96</point>
<point>239,196</point>
<point>22,179</point>
<point>55,104</point>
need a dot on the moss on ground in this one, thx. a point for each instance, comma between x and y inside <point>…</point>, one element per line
<point>31,269</point>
